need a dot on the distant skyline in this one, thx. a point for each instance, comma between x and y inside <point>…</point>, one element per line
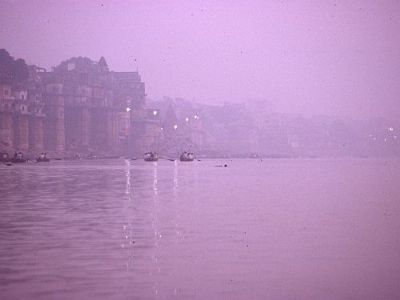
<point>310,57</point>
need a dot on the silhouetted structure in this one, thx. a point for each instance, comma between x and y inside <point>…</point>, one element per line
<point>80,107</point>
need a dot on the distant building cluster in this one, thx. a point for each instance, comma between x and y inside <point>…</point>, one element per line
<point>254,130</point>
<point>81,108</point>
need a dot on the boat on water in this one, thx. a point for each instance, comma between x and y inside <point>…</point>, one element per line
<point>151,156</point>
<point>18,158</point>
<point>42,158</point>
<point>186,156</point>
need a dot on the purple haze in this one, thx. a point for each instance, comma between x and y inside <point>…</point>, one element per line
<point>336,57</point>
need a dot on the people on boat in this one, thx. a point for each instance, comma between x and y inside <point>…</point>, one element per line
<point>186,156</point>
<point>43,157</point>
<point>151,156</point>
<point>18,157</point>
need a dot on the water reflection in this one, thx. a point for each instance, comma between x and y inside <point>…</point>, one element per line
<point>126,229</point>
<point>155,179</point>
<point>175,176</point>
<point>128,241</point>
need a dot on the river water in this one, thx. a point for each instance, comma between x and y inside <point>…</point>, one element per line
<point>271,229</point>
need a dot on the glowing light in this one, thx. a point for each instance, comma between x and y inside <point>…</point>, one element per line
<point>128,109</point>
<point>187,119</point>
<point>175,126</point>
<point>196,117</point>
<point>162,128</point>
<point>391,128</point>
<point>155,113</point>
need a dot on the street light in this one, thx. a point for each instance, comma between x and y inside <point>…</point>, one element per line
<point>128,109</point>
<point>155,113</point>
<point>175,126</point>
<point>187,119</point>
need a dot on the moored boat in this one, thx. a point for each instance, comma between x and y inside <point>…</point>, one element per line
<point>151,156</point>
<point>186,156</point>
<point>43,158</point>
<point>18,158</point>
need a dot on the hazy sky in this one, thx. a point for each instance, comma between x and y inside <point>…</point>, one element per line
<point>312,57</point>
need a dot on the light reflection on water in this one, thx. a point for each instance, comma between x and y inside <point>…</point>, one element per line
<point>277,229</point>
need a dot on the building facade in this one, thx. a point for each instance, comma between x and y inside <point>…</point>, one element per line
<point>79,108</point>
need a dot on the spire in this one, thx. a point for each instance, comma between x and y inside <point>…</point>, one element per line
<point>103,64</point>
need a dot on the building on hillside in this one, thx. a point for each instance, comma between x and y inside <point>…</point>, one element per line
<point>6,118</point>
<point>79,108</point>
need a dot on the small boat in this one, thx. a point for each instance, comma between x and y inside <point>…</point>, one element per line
<point>186,156</point>
<point>151,156</point>
<point>18,158</point>
<point>42,158</point>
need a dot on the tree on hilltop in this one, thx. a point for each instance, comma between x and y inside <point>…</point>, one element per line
<point>12,71</point>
